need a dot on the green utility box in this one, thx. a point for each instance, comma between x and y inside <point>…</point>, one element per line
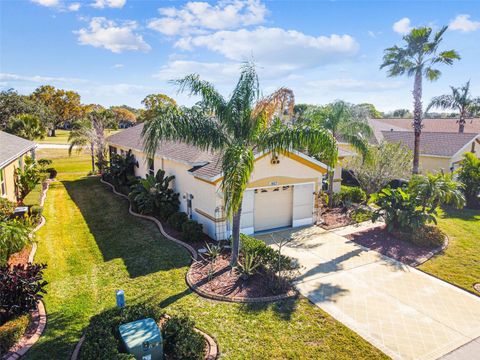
<point>143,339</point>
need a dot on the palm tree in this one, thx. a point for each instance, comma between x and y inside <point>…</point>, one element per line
<point>460,100</point>
<point>418,58</point>
<point>27,126</point>
<point>236,128</point>
<point>90,131</point>
<point>347,123</point>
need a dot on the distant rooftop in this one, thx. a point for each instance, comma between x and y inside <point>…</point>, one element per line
<point>12,147</point>
<point>438,125</point>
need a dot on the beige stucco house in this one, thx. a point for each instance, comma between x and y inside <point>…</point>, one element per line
<point>13,150</point>
<point>280,192</point>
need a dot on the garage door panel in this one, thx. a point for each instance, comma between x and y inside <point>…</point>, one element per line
<point>303,204</point>
<point>246,220</point>
<point>273,208</point>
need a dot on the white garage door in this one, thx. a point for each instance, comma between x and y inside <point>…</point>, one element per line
<point>273,207</point>
<point>303,195</point>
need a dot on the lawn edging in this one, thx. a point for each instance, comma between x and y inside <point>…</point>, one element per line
<point>39,315</point>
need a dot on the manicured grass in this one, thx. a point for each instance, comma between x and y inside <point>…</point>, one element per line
<point>93,246</point>
<point>61,137</point>
<point>460,262</point>
<point>77,163</point>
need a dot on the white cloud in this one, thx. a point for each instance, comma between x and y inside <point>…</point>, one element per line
<point>289,49</point>
<point>103,33</point>
<point>118,66</point>
<point>8,77</point>
<point>402,26</point>
<point>74,6</point>
<point>464,24</point>
<point>47,3</point>
<point>100,4</point>
<point>195,17</point>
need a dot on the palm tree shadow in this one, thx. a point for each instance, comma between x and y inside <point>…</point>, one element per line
<point>119,235</point>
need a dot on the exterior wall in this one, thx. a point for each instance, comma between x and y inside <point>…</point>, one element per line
<point>9,176</point>
<point>431,164</point>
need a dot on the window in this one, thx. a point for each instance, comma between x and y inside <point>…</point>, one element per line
<point>3,185</point>
<point>151,166</point>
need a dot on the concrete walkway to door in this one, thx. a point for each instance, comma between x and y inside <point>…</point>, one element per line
<point>403,311</point>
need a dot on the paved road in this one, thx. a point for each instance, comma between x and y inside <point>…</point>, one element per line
<point>403,311</point>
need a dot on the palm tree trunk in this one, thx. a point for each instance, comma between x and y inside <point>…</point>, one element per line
<point>92,155</point>
<point>461,122</point>
<point>417,119</point>
<point>235,237</point>
<point>330,176</point>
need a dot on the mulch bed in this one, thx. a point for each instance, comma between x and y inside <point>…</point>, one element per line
<point>334,218</point>
<point>378,239</point>
<point>226,282</point>
<point>21,257</point>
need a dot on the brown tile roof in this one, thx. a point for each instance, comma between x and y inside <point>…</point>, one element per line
<point>437,125</point>
<point>432,143</point>
<point>12,147</point>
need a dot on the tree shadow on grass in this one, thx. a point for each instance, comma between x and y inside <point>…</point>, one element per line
<point>463,214</point>
<point>119,235</point>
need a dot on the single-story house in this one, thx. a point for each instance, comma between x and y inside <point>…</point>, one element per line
<point>13,150</point>
<point>435,125</point>
<point>280,192</point>
<point>439,150</point>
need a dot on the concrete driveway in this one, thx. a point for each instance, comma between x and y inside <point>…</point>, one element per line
<point>402,311</point>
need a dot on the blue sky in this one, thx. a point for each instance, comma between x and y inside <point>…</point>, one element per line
<point>118,51</point>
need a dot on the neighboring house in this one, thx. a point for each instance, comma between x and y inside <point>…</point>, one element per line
<point>13,150</point>
<point>280,192</point>
<point>435,125</point>
<point>439,150</point>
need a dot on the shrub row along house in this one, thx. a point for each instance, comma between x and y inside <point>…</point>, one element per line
<point>441,148</point>
<point>280,192</point>
<point>13,150</point>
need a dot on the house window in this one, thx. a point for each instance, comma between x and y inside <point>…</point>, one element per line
<point>3,185</point>
<point>151,166</point>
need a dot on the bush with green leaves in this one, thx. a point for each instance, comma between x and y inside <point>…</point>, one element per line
<point>176,220</point>
<point>12,331</point>
<point>360,214</point>
<point>123,167</point>
<point>469,176</point>
<point>352,195</point>
<point>155,195</point>
<point>21,287</point>
<point>192,231</point>
<point>36,211</point>
<point>428,236</point>
<point>14,236</point>
<point>7,208</point>
<point>181,341</point>
<point>102,337</point>
<point>27,178</point>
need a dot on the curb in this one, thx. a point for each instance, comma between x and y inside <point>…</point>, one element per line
<point>39,315</point>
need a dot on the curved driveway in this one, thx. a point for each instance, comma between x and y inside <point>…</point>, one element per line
<point>401,310</point>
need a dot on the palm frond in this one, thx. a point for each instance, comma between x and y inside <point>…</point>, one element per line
<point>211,98</point>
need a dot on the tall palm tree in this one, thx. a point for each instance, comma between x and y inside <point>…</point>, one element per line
<point>418,58</point>
<point>347,123</point>
<point>90,131</point>
<point>460,100</point>
<point>27,126</point>
<point>237,128</point>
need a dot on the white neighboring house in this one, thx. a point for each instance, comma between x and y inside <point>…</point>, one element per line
<point>280,192</point>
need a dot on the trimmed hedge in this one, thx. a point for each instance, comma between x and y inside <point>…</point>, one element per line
<point>192,231</point>
<point>176,221</point>
<point>181,341</point>
<point>352,194</point>
<point>429,236</point>
<point>12,331</point>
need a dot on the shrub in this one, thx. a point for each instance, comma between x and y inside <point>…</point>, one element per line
<point>166,209</point>
<point>352,194</point>
<point>181,341</point>
<point>6,209</point>
<point>52,173</point>
<point>192,231</point>
<point>28,177</point>
<point>176,220</point>
<point>14,235</point>
<point>21,287</point>
<point>469,175</point>
<point>12,331</point>
<point>36,211</point>
<point>33,197</point>
<point>428,236</point>
<point>102,337</point>
<point>361,214</point>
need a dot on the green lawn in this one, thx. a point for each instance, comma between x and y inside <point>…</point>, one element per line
<point>460,262</point>
<point>93,246</point>
<point>61,137</point>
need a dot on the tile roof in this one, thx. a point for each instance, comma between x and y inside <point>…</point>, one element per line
<point>437,125</point>
<point>12,147</point>
<point>377,128</point>
<point>432,143</point>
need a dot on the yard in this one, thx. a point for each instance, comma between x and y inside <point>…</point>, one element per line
<point>93,247</point>
<point>61,137</point>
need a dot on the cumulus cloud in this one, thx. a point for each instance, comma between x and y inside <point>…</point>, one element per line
<point>47,3</point>
<point>107,34</point>
<point>195,17</point>
<point>74,6</point>
<point>100,4</point>
<point>402,26</point>
<point>464,24</point>
<point>288,48</point>
<point>58,5</point>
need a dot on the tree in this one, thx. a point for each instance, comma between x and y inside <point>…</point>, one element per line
<point>347,123</point>
<point>402,113</point>
<point>90,131</point>
<point>123,116</point>
<point>469,175</point>
<point>418,58</point>
<point>237,129</point>
<point>13,104</point>
<point>460,100</point>
<point>26,126</point>
<point>371,110</point>
<point>64,105</point>
<point>387,162</point>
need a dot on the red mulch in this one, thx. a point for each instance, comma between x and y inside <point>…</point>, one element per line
<point>380,240</point>
<point>227,282</point>
<point>334,218</point>
<point>21,257</point>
